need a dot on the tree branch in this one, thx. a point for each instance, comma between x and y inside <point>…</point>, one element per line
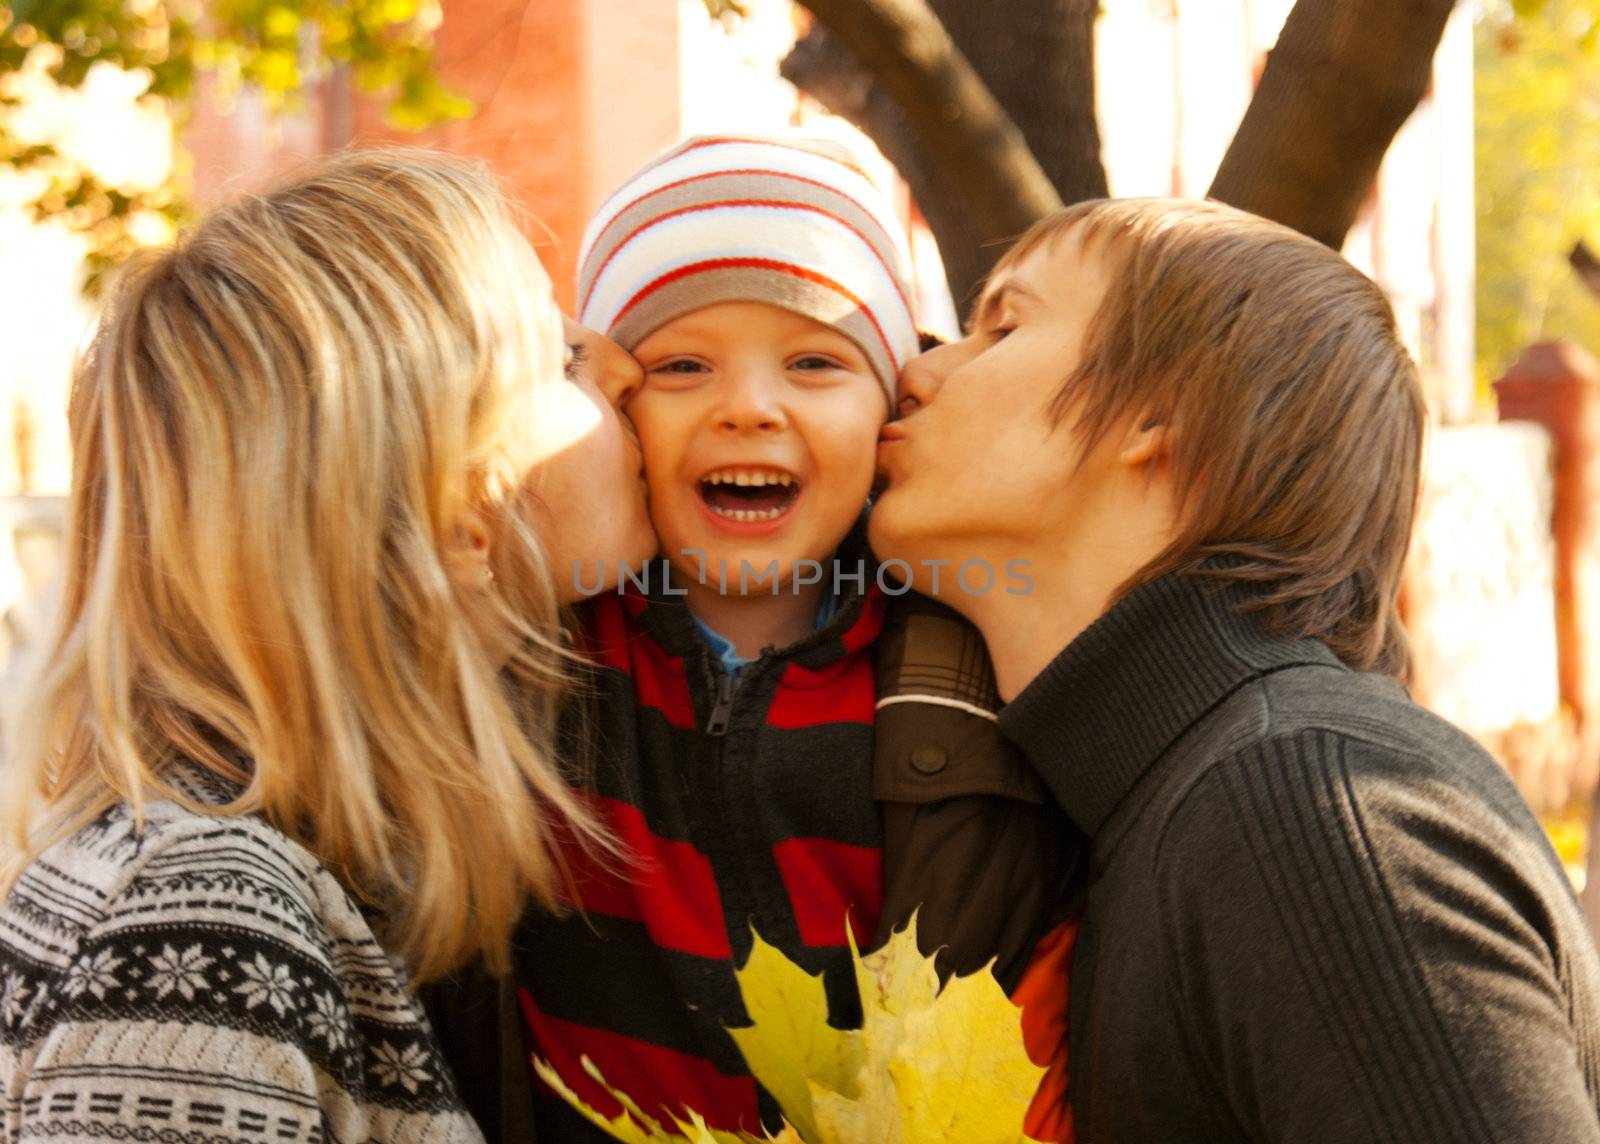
<point>1586,266</point>
<point>827,71</point>
<point>981,153</point>
<point>1338,85</point>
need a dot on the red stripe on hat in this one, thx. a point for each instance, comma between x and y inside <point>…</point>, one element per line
<point>778,204</point>
<point>758,264</point>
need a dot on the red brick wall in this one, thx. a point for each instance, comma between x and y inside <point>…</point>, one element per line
<point>572,95</point>
<point>522,63</point>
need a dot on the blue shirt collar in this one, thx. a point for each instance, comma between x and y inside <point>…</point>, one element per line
<point>732,661</point>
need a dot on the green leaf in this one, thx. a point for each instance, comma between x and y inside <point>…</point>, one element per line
<point>388,43</point>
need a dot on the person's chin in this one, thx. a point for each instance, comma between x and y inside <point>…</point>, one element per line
<point>900,533</point>
<point>887,532</point>
<point>646,546</point>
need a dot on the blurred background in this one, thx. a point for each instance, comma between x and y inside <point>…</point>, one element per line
<point>1452,151</point>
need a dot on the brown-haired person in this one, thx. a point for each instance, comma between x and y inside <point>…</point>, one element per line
<point>1315,910</point>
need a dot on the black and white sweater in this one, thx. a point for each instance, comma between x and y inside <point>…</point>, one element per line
<point>208,981</point>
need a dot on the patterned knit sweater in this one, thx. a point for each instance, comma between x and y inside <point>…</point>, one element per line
<point>206,981</point>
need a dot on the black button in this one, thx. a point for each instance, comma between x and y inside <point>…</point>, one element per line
<point>929,760</point>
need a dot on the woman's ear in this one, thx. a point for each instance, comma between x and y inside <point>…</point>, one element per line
<point>466,562</point>
<point>466,553</point>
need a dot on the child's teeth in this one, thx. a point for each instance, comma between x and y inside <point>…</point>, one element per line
<point>758,480</point>
<point>747,515</point>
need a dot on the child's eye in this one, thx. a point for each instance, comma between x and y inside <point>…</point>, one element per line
<point>681,365</point>
<point>676,373</point>
<point>814,361</point>
<point>576,356</point>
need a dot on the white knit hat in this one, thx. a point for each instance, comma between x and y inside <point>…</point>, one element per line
<point>793,221</point>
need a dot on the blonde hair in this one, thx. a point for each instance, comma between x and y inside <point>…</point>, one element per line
<point>1299,411</point>
<point>275,431</point>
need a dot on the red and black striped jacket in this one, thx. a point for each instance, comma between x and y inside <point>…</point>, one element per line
<point>745,803</point>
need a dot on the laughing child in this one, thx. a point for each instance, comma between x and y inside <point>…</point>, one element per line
<point>761,285</point>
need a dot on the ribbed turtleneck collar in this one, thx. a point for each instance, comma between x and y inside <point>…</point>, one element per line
<point>1112,702</point>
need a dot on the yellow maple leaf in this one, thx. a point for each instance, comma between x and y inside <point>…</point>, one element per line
<point>928,1065</point>
<point>896,979</point>
<point>633,1125</point>
<point>983,1082</point>
<point>789,1044</point>
<point>893,982</point>
<point>843,1118</point>
<point>940,1065</point>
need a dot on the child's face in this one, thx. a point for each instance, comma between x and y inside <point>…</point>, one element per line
<point>747,391</point>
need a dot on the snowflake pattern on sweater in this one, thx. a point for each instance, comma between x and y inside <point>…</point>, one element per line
<point>206,981</point>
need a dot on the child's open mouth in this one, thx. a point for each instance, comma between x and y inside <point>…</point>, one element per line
<point>749,495</point>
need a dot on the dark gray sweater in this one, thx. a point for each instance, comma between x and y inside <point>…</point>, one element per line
<point>1316,911</point>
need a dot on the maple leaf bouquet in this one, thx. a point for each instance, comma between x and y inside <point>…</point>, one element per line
<point>927,1066</point>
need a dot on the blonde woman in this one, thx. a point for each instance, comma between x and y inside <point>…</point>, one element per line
<point>330,484</point>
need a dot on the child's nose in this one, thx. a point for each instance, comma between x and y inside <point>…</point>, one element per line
<point>750,403</point>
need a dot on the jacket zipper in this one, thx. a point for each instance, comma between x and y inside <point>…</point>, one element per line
<point>722,710</point>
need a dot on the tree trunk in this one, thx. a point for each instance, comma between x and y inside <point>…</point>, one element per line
<point>1039,62</point>
<point>1341,80</point>
<point>1036,57</point>
<point>981,154</point>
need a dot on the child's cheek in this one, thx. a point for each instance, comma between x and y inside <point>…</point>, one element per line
<point>652,422</point>
<point>855,465</point>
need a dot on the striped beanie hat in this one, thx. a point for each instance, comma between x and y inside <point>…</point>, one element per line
<point>792,220</point>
